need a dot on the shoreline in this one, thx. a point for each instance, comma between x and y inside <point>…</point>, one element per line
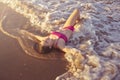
<point>16,65</point>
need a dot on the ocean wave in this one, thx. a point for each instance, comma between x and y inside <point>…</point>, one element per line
<point>96,36</point>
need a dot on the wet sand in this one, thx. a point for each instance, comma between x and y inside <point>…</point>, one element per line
<point>16,65</point>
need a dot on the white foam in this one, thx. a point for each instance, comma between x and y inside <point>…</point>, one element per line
<point>97,36</point>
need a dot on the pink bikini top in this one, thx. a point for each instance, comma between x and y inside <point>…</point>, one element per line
<point>60,35</point>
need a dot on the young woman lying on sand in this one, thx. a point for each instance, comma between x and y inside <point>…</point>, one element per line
<point>57,39</point>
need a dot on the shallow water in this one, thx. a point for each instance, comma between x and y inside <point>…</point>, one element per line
<point>97,36</point>
<point>14,25</point>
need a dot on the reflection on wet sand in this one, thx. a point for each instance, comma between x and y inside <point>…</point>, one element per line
<point>97,36</point>
<point>12,26</point>
<point>14,63</point>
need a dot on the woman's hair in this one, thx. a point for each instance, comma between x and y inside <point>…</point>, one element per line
<point>42,49</point>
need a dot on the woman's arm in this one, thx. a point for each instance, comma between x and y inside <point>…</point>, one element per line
<point>69,49</point>
<point>71,21</point>
<point>32,36</point>
<point>73,51</point>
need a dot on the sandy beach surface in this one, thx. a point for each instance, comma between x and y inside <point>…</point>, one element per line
<point>96,37</point>
<point>16,65</point>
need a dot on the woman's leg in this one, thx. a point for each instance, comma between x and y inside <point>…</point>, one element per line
<point>71,21</point>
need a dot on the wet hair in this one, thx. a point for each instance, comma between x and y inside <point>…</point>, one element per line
<point>42,49</point>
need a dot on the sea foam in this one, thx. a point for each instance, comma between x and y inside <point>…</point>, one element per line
<point>97,36</point>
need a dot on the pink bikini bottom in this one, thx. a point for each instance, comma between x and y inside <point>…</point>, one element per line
<point>70,28</point>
